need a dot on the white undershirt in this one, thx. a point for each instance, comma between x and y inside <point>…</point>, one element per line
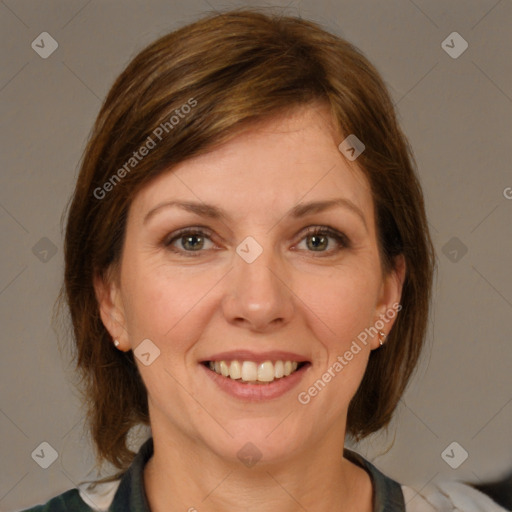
<point>449,496</point>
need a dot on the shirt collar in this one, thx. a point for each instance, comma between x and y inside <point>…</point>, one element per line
<point>131,496</point>
<point>387,493</point>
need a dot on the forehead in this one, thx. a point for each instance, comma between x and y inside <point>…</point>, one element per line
<point>271,165</point>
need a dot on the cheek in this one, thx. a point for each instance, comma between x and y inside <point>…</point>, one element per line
<point>343,302</point>
<point>338,309</point>
<point>162,305</point>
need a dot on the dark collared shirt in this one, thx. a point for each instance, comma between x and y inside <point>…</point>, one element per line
<point>131,497</point>
<point>128,495</point>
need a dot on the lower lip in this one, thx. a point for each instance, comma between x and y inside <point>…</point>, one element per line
<point>257,392</point>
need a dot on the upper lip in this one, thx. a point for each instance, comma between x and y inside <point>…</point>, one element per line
<point>260,357</point>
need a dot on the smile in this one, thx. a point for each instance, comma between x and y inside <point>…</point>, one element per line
<point>251,372</point>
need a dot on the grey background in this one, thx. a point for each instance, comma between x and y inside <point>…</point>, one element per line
<point>457,114</point>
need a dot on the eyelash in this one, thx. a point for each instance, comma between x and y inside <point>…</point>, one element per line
<point>341,239</point>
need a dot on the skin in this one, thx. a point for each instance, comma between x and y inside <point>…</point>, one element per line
<point>293,297</point>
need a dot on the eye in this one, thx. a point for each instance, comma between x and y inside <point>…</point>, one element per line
<point>317,239</point>
<point>189,240</point>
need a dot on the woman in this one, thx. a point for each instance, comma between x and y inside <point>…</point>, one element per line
<point>248,271</point>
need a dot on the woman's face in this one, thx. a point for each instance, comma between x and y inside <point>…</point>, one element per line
<point>240,275</point>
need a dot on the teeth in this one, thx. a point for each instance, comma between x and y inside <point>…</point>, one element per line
<point>249,371</point>
<point>279,369</point>
<point>266,372</point>
<point>224,369</point>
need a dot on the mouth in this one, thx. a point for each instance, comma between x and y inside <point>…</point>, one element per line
<point>253,372</point>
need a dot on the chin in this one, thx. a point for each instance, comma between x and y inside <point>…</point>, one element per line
<point>258,442</point>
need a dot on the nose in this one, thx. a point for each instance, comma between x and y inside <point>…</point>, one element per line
<point>258,296</point>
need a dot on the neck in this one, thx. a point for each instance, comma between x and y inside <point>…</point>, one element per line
<point>185,475</point>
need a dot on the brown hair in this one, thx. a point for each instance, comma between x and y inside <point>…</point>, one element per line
<point>232,69</point>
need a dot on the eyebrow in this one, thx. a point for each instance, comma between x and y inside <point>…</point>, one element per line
<point>298,211</point>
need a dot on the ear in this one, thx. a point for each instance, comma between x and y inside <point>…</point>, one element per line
<point>388,305</point>
<point>106,287</point>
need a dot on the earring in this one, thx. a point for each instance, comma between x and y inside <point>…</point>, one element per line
<point>383,338</point>
<point>116,343</point>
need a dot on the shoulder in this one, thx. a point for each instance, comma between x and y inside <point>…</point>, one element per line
<point>86,497</point>
<point>124,493</point>
<point>449,496</point>
<point>69,500</point>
